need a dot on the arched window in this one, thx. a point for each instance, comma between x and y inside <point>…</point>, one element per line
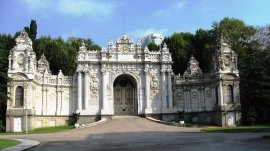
<point>19,97</point>
<point>229,94</point>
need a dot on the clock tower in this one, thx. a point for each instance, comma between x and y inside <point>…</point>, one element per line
<point>124,44</point>
<point>22,58</point>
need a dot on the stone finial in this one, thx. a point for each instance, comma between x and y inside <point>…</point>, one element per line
<point>82,47</point>
<point>193,68</point>
<point>82,43</point>
<point>110,44</point>
<point>139,43</point>
<point>165,48</point>
<point>23,38</point>
<point>164,45</point>
<point>124,40</point>
<point>43,65</point>
<point>146,50</point>
<point>223,41</point>
<point>60,74</point>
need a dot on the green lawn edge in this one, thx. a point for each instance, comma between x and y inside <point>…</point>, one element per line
<point>238,129</point>
<point>6,143</point>
<point>43,130</point>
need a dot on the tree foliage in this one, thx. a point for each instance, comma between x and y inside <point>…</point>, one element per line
<point>153,47</point>
<point>32,30</point>
<point>6,43</point>
<point>61,54</point>
<point>180,45</point>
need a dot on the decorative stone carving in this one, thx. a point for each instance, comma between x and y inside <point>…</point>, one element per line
<point>82,47</point>
<point>146,50</point>
<point>43,65</point>
<point>108,89</point>
<point>60,74</point>
<point>165,48</point>
<point>19,77</point>
<point>194,94</point>
<point>179,95</point>
<point>23,39</point>
<point>154,86</point>
<point>66,96</point>
<point>193,69</point>
<point>94,86</point>
<point>20,58</point>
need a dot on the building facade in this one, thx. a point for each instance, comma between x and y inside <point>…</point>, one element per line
<point>122,79</point>
<point>152,38</point>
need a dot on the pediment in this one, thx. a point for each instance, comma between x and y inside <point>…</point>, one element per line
<point>19,76</point>
<point>230,77</point>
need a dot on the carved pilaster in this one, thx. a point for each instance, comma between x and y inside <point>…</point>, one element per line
<point>79,91</point>
<point>169,88</point>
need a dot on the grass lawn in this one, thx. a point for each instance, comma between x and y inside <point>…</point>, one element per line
<point>43,130</point>
<point>5,143</point>
<point>254,128</point>
<point>51,129</point>
<point>193,125</point>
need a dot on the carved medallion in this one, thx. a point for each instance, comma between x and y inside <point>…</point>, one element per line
<point>20,58</point>
<point>154,86</point>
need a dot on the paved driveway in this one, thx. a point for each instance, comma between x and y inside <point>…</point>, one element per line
<point>137,134</point>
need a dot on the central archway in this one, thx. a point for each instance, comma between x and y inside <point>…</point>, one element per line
<point>125,95</point>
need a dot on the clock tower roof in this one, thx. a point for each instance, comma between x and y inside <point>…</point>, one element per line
<point>124,40</point>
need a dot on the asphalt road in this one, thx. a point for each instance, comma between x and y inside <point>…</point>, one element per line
<point>137,134</point>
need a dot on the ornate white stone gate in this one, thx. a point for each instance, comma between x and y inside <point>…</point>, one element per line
<point>123,79</point>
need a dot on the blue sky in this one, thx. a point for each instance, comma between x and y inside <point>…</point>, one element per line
<point>102,20</point>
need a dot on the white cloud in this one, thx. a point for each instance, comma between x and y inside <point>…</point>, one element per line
<point>170,10</point>
<point>139,33</point>
<point>93,8</point>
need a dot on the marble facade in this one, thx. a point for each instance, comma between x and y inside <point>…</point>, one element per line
<point>122,79</point>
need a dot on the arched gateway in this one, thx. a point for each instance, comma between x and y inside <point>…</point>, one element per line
<point>123,79</point>
<point>125,95</point>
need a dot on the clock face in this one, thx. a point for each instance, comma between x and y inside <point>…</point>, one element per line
<point>125,48</point>
<point>20,58</point>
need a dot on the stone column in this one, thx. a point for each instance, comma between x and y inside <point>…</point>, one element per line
<point>46,100</point>
<point>141,105</point>
<point>104,98</point>
<point>86,90</point>
<point>221,93</point>
<point>79,91</point>
<point>170,90</point>
<point>185,98</point>
<point>163,93</point>
<point>57,100</point>
<point>146,93</point>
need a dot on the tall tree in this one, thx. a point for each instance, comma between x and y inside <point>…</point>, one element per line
<point>6,43</point>
<point>263,36</point>
<point>32,30</point>
<point>180,45</point>
<point>235,31</point>
<point>204,47</point>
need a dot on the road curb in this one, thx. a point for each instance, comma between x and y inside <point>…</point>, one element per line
<point>25,144</point>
